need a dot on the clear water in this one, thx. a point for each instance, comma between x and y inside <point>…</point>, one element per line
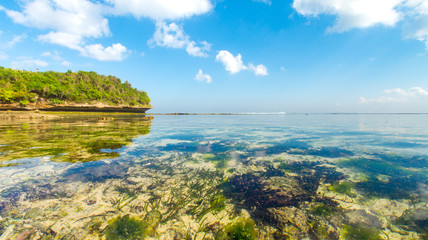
<point>317,176</point>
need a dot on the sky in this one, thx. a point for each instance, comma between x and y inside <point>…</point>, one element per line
<point>314,56</point>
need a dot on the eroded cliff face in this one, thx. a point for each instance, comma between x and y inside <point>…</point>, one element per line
<point>42,104</point>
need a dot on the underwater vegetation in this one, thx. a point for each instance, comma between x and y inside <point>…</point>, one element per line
<point>219,160</point>
<point>344,187</point>
<point>404,161</point>
<point>73,139</point>
<point>325,173</point>
<point>126,227</point>
<point>399,187</point>
<point>373,167</point>
<point>321,209</point>
<point>415,220</point>
<point>240,229</point>
<point>360,232</point>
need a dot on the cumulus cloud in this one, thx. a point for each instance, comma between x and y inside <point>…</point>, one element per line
<point>231,63</point>
<point>352,13</point>
<point>78,17</point>
<point>234,64</point>
<point>260,69</point>
<point>70,23</point>
<point>398,95</point>
<point>28,63</point>
<point>416,25</point>
<point>200,76</point>
<point>173,36</point>
<point>161,9</point>
<point>367,13</point>
<point>116,52</point>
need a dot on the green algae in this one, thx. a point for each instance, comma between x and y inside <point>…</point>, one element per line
<point>344,187</point>
<point>126,228</point>
<point>321,209</point>
<point>320,231</point>
<point>240,229</point>
<point>360,232</point>
<point>220,160</point>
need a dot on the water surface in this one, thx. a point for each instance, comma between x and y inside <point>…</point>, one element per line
<point>318,176</point>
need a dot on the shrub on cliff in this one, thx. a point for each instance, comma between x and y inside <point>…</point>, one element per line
<point>79,87</point>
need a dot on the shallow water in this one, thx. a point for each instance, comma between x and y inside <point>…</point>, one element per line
<point>317,176</point>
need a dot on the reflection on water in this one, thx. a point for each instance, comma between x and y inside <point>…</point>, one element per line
<point>73,139</point>
<point>215,177</point>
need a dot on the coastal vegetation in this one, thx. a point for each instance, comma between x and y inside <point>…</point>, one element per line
<point>25,87</point>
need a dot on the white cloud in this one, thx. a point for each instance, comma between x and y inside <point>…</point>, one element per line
<point>16,39</point>
<point>173,36</point>
<point>116,52</point>
<point>64,39</point>
<point>398,95</point>
<point>234,64</point>
<point>367,13</point>
<point>200,76</point>
<point>70,23</point>
<point>416,26</point>
<point>56,57</point>
<point>53,55</point>
<point>28,63</point>
<point>161,9</point>
<point>352,13</point>
<point>78,17</point>
<point>259,70</point>
<point>196,51</point>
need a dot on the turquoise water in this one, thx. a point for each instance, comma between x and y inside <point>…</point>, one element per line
<point>293,176</point>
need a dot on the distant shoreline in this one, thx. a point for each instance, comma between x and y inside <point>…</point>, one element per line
<point>22,114</point>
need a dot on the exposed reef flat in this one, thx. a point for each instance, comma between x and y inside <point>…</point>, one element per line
<point>20,115</point>
<point>74,108</point>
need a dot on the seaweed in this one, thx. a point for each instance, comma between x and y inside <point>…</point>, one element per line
<point>360,232</point>
<point>324,173</point>
<point>404,161</point>
<point>321,209</point>
<point>398,187</point>
<point>219,160</point>
<point>240,229</point>
<point>317,230</point>
<point>251,191</point>
<point>126,227</point>
<point>373,167</point>
<point>414,220</point>
<point>343,188</point>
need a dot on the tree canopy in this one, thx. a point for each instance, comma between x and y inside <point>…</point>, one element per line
<point>78,87</point>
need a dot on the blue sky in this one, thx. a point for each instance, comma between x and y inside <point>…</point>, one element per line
<point>233,56</point>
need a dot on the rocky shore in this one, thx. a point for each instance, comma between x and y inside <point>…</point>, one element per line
<point>43,105</point>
